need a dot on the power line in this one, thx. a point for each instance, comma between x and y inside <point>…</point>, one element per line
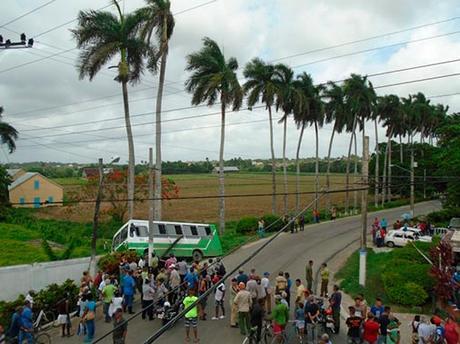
<point>417,80</point>
<point>375,49</point>
<point>27,13</point>
<point>444,95</point>
<point>365,39</point>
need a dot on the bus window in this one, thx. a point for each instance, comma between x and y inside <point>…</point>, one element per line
<point>170,230</point>
<point>178,229</point>
<point>207,230</point>
<point>201,231</point>
<point>186,230</point>
<point>142,231</point>
<point>124,234</point>
<point>162,228</point>
<point>194,230</point>
<point>132,230</point>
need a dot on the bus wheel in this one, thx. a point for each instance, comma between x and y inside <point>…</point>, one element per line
<point>197,255</point>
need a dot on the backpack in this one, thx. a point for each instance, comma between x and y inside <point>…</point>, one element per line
<point>221,270</point>
<point>438,337</point>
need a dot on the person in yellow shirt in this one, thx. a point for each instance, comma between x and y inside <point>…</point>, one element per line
<point>280,283</point>
<point>324,273</point>
<point>191,317</point>
<point>300,291</point>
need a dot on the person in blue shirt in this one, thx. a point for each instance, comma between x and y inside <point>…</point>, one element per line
<point>128,291</point>
<point>15,325</point>
<point>26,324</point>
<point>192,279</point>
<point>288,287</point>
<point>89,316</point>
<point>377,309</point>
<point>383,223</point>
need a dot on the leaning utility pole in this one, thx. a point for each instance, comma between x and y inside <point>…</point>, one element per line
<point>364,194</point>
<point>97,206</point>
<point>412,182</point>
<point>151,206</point>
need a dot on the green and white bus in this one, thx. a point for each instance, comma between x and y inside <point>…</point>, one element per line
<point>191,240</point>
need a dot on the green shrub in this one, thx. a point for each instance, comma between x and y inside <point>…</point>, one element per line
<point>408,272</point>
<point>408,294</point>
<point>442,217</point>
<point>247,225</point>
<point>273,222</point>
<point>410,254</point>
<point>110,262</point>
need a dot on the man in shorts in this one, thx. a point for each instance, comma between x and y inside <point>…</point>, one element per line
<point>219,298</point>
<point>191,317</point>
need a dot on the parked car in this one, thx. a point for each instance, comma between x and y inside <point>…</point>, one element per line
<point>401,238</point>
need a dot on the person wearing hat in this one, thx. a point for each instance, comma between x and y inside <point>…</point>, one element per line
<point>243,304</point>
<point>234,309</point>
<point>280,315</point>
<point>265,282</point>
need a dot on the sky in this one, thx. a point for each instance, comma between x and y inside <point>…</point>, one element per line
<point>48,104</point>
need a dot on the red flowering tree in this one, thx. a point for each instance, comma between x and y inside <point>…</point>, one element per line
<point>115,192</point>
<point>442,258</point>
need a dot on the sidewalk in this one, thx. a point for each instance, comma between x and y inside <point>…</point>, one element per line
<point>347,300</point>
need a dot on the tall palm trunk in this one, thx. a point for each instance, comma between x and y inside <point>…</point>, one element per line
<point>297,163</point>
<point>131,161</point>
<point>221,172</point>
<point>401,153</point>
<point>389,170</point>
<point>377,161</point>
<point>355,173</point>
<point>347,181</point>
<point>328,170</point>
<point>272,150</point>
<point>285,197</point>
<point>316,165</point>
<point>158,161</point>
<point>384,176</point>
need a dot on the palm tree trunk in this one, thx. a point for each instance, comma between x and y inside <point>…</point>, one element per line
<point>355,174</point>
<point>401,153</point>
<point>384,177</point>
<point>285,166</point>
<point>377,171</point>
<point>221,172</point>
<point>272,149</point>
<point>347,193</point>
<point>328,170</point>
<point>158,161</point>
<point>316,165</point>
<point>389,170</point>
<point>131,161</point>
<point>297,163</point>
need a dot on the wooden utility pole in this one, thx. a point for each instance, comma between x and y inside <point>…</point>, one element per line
<point>151,206</point>
<point>97,206</point>
<point>364,194</point>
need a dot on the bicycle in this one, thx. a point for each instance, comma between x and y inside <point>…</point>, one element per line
<point>44,319</point>
<point>289,335</point>
<point>265,335</point>
<point>38,338</point>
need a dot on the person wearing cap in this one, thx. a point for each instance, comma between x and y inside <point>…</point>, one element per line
<point>280,315</point>
<point>120,327</point>
<point>265,282</point>
<point>243,304</point>
<point>439,332</point>
<point>26,322</point>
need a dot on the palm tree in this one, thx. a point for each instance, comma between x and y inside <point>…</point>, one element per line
<point>334,111</point>
<point>101,36</point>
<point>376,117</point>
<point>359,99</point>
<point>214,78</point>
<point>8,134</point>
<point>159,23</point>
<point>389,110</point>
<point>261,84</point>
<point>285,99</point>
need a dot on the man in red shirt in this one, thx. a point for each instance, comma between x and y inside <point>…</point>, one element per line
<point>371,330</point>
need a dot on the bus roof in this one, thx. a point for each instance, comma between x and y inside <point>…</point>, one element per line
<point>146,223</point>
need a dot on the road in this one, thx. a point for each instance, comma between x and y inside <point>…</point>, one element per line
<point>289,252</point>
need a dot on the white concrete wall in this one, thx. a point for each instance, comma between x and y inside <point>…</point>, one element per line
<point>19,279</point>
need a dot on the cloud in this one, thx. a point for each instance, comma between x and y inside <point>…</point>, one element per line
<point>244,29</point>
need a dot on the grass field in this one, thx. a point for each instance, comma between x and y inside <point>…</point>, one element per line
<point>206,210</point>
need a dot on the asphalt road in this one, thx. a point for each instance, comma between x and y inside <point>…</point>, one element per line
<point>289,252</point>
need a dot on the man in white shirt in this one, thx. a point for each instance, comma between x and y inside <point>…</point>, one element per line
<point>219,298</point>
<point>265,282</point>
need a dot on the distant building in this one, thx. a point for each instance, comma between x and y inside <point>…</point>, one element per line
<point>32,190</point>
<point>227,169</point>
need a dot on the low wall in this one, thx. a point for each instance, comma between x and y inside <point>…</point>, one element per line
<point>19,279</point>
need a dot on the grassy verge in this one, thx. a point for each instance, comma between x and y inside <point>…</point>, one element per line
<point>231,239</point>
<point>403,265</point>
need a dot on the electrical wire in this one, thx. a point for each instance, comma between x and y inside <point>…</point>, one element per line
<point>27,13</point>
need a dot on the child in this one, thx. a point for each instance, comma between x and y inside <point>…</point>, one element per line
<point>300,320</point>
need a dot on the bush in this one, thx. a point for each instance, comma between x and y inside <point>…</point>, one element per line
<point>46,300</point>
<point>247,225</point>
<point>408,294</point>
<point>270,219</point>
<point>443,217</point>
<point>409,272</point>
<point>110,262</point>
